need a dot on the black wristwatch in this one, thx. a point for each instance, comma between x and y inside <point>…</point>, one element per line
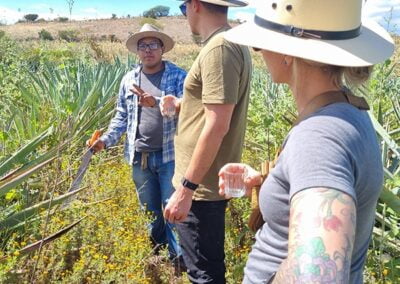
<point>189,184</point>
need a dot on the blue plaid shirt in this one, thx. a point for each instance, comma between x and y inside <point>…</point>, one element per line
<point>125,118</point>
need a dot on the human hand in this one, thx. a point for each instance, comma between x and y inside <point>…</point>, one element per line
<point>94,143</point>
<point>178,205</point>
<point>145,99</point>
<point>253,177</point>
<point>168,105</point>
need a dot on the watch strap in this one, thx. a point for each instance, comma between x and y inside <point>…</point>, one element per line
<point>189,184</point>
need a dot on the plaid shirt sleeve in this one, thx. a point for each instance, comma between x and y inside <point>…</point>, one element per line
<point>118,124</point>
<point>174,86</point>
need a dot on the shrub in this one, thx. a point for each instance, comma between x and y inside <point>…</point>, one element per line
<point>31,17</point>
<point>69,35</point>
<point>113,38</point>
<point>99,54</point>
<point>2,33</point>
<point>45,35</point>
<point>113,16</point>
<point>151,21</point>
<point>61,19</point>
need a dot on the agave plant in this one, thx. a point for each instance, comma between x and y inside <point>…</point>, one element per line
<point>64,104</point>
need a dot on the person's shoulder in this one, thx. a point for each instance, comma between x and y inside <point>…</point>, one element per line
<point>340,122</point>
<point>220,42</point>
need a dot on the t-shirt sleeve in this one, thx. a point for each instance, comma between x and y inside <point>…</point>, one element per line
<point>316,157</point>
<point>220,74</point>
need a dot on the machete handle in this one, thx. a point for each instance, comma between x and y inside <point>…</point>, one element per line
<point>95,136</point>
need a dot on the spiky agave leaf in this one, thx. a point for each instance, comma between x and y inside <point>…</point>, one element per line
<point>38,244</point>
<point>24,215</point>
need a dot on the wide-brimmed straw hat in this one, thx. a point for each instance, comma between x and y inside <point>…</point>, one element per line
<point>326,31</point>
<point>228,3</point>
<point>148,30</point>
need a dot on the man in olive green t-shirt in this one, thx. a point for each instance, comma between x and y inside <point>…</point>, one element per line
<point>210,133</point>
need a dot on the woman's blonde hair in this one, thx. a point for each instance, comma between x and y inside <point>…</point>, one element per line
<point>343,76</point>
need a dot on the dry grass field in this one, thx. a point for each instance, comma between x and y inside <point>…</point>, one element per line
<point>176,27</point>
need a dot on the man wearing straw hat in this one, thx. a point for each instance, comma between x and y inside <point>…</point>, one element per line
<point>210,133</point>
<point>149,146</point>
<point>319,201</point>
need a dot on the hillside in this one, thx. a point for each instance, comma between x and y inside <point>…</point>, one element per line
<point>176,27</point>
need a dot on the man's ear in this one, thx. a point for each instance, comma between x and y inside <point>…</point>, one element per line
<point>196,5</point>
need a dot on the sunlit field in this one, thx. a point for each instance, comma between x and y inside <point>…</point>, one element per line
<point>55,93</point>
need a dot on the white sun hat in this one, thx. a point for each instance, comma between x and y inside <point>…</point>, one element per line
<point>148,30</point>
<point>326,31</point>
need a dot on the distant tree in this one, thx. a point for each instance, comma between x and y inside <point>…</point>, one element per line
<point>31,17</point>
<point>128,16</point>
<point>113,16</point>
<point>51,10</point>
<point>70,6</point>
<point>156,12</point>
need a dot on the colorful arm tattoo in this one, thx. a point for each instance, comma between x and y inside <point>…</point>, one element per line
<point>321,237</point>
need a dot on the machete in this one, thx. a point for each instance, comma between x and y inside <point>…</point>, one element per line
<point>83,166</point>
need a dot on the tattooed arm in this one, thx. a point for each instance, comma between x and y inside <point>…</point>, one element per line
<point>321,237</point>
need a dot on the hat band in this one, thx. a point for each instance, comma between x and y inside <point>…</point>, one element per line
<point>299,32</point>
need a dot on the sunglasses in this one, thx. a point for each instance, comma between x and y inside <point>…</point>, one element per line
<point>183,7</point>
<point>151,46</point>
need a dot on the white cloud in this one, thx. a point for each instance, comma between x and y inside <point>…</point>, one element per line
<point>90,11</point>
<point>386,13</point>
<point>39,6</point>
<point>8,16</point>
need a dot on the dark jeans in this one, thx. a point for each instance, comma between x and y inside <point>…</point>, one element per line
<point>202,237</point>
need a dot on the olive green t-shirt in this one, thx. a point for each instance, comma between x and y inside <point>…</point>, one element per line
<point>220,74</point>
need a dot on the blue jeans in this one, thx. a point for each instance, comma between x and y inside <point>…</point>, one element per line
<point>202,237</point>
<point>154,188</point>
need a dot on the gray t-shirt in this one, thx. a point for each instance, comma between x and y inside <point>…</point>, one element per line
<point>149,136</point>
<point>336,147</point>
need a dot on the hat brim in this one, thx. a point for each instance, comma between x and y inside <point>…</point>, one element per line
<point>132,42</point>
<point>232,3</point>
<point>372,46</point>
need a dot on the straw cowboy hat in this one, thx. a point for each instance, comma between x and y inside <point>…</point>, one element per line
<point>148,30</point>
<point>328,31</point>
<point>229,3</point>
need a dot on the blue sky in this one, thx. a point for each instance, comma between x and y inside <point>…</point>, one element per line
<point>382,11</point>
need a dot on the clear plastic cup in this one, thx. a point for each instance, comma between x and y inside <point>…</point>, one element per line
<point>170,111</point>
<point>234,183</point>
<point>167,106</point>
